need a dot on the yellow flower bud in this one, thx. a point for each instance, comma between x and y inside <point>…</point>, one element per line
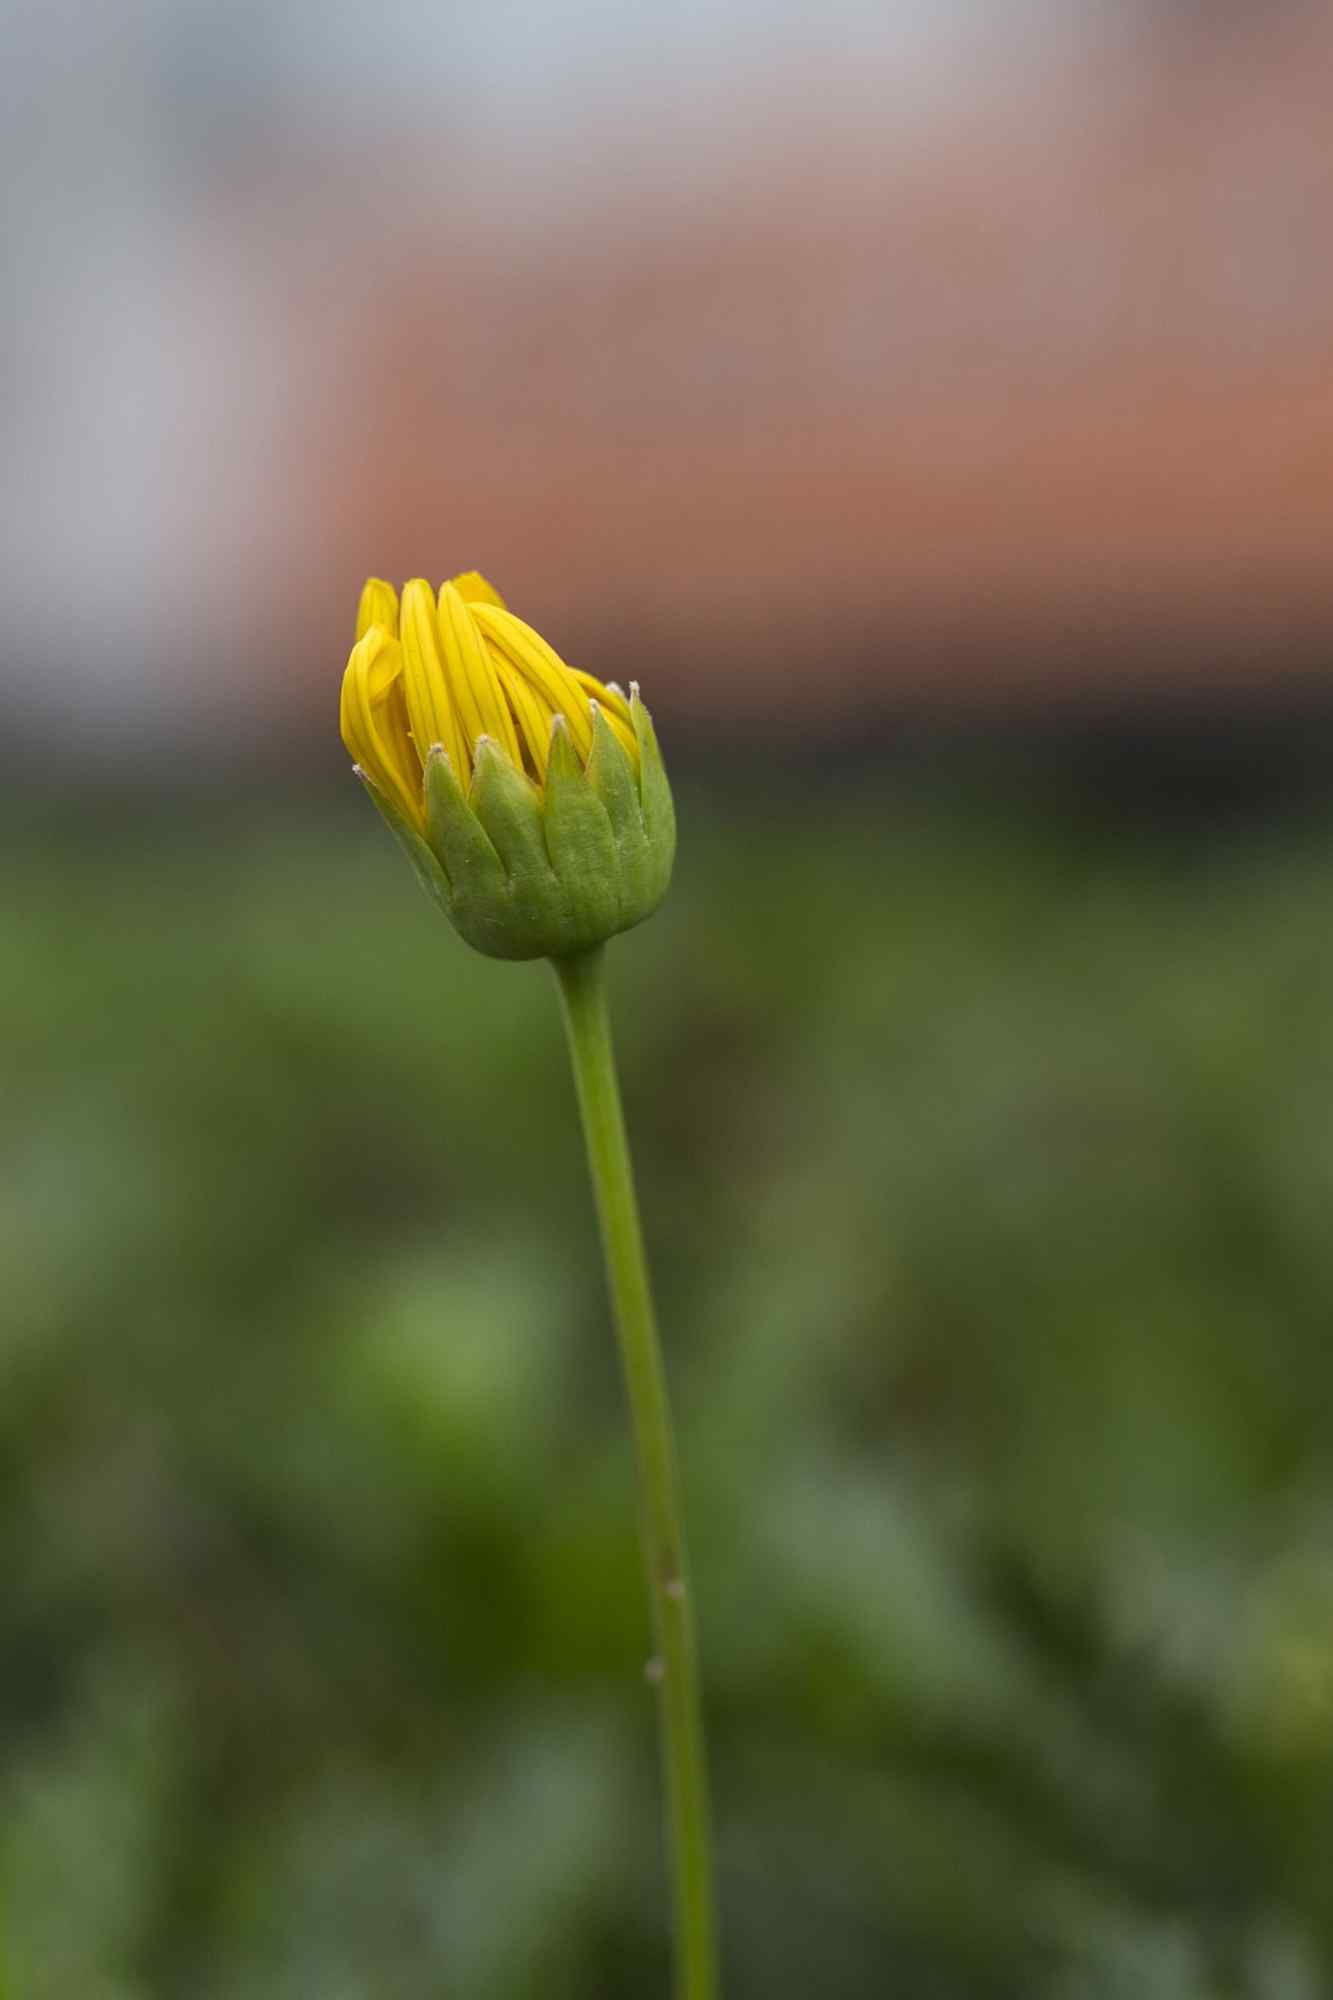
<point>530,797</point>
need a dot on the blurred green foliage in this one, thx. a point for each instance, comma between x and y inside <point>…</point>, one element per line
<point>988,1167</point>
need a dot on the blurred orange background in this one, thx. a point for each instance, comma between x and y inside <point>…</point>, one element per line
<point>812,365</point>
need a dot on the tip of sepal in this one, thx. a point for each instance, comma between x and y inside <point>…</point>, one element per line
<point>564,761</point>
<point>440,765</point>
<point>492,747</point>
<point>490,754</point>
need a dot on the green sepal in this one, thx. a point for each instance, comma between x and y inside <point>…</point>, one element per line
<point>527,913</point>
<point>424,864</point>
<point>460,841</point>
<point>509,808</point>
<point>612,777</point>
<point>659,812</point>
<point>475,872</point>
<point>581,845</point>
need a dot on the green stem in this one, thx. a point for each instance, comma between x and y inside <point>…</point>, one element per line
<point>583,989</point>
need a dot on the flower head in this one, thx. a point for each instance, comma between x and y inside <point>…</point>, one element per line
<point>530,796</point>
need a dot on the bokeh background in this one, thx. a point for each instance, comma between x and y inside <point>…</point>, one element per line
<point>933,407</point>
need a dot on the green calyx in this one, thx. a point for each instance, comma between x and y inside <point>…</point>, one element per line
<point>528,871</point>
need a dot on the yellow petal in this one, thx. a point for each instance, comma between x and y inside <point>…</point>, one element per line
<point>532,718</point>
<point>474,684</point>
<point>379,606</point>
<point>374,722</point>
<point>473,588</point>
<point>614,707</point>
<point>432,711</point>
<point>612,700</point>
<point>542,668</point>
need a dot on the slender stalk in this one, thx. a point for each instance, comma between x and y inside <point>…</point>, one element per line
<point>583,989</point>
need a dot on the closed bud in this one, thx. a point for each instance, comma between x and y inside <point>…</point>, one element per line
<point>531,799</point>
